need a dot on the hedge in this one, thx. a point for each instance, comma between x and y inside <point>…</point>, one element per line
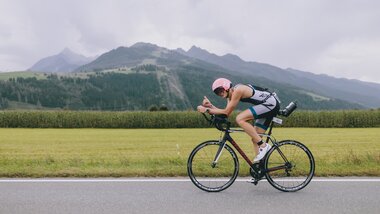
<point>176,119</point>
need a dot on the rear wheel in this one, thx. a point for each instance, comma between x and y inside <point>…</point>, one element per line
<point>290,166</point>
<point>210,176</point>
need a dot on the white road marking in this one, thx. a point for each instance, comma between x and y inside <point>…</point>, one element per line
<point>157,180</point>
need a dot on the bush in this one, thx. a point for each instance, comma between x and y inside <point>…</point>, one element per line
<point>153,108</point>
<point>174,119</point>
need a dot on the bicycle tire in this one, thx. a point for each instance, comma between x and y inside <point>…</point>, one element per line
<point>204,175</point>
<point>299,169</point>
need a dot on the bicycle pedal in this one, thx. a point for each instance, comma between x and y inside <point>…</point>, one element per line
<point>255,182</point>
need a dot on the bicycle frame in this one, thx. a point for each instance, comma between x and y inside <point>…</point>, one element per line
<point>227,137</point>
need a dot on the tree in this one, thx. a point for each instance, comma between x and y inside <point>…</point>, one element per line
<point>163,108</point>
<point>153,108</point>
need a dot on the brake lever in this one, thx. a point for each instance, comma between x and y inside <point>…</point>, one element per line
<point>209,120</point>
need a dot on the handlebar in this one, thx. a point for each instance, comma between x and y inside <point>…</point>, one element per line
<point>220,121</point>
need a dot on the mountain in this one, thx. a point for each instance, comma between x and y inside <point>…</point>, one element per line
<point>65,61</point>
<point>355,91</point>
<point>145,75</point>
<point>138,54</point>
<point>236,64</point>
<point>345,89</point>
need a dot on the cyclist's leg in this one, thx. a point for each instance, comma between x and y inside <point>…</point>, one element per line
<point>263,114</point>
<point>258,131</point>
<point>242,120</point>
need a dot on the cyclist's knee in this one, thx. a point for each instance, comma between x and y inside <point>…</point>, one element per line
<point>259,130</point>
<point>240,120</point>
<point>244,117</point>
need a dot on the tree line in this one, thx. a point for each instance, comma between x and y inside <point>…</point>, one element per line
<point>106,91</point>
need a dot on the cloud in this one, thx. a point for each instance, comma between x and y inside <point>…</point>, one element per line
<point>353,58</point>
<point>306,35</point>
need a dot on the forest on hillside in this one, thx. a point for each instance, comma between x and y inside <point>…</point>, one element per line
<point>148,87</point>
<point>110,91</point>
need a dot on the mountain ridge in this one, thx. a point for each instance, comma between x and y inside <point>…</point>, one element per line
<point>65,61</point>
<point>180,62</point>
<point>183,77</point>
<point>323,84</point>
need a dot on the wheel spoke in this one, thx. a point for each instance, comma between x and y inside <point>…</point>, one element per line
<point>207,177</point>
<point>293,175</point>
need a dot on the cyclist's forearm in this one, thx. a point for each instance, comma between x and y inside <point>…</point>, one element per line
<point>231,104</point>
<point>215,110</point>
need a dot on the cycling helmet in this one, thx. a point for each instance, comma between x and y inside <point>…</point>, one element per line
<point>221,83</point>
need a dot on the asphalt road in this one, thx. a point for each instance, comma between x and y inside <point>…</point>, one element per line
<point>168,196</point>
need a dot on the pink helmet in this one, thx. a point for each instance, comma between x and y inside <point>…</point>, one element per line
<point>221,83</point>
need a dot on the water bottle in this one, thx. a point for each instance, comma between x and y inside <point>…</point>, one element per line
<point>289,109</point>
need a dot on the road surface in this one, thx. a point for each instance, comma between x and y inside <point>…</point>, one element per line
<point>170,195</point>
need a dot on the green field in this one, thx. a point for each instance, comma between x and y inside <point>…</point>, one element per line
<point>164,152</point>
<point>23,74</point>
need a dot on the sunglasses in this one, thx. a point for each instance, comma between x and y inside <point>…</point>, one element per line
<point>219,91</point>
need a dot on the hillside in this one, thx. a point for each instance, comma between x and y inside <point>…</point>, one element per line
<point>145,75</point>
<point>136,90</point>
<point>355,91</point>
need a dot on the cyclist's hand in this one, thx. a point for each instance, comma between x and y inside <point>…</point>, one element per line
<point>202,109</point>
<point>206,102</point>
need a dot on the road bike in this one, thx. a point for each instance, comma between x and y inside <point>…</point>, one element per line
<point>213,165</point>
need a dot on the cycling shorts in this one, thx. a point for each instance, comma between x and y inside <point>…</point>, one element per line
<point>264,113</point>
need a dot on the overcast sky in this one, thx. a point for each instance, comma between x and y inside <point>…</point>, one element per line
<point>337,37</point>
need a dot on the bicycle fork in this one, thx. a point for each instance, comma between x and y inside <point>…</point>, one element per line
<point>219,152</point>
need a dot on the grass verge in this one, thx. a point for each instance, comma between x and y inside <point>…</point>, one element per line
<point>164,152</point>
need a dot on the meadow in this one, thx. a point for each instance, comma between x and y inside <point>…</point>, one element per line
<point>90,152</point>
<point>21,74</point>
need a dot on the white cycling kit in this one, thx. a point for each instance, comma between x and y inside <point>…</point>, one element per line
<point>265,105</point>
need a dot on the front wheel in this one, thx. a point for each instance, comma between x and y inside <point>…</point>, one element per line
<point>212,176</point>
<point>289,166</point>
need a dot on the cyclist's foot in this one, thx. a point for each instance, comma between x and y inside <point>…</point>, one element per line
<point>262,152</point>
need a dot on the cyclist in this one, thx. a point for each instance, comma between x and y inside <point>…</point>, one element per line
<point>265,106</point>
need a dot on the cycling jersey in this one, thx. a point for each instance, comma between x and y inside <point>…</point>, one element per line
<point>259,95</point>
<point>265,105</point>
